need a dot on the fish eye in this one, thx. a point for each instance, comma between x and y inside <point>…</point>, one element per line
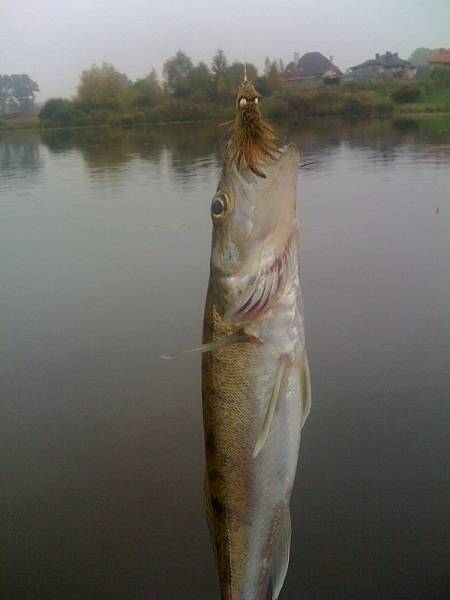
<point>220,207</point>
<point>217,207</point>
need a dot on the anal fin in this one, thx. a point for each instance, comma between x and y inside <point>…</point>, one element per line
<point>265,427</point>
<point>280,552</point>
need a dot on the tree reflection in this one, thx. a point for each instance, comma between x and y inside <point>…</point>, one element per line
<point>189,148</point>
<point>384,138</point>
<point>19,152</point>
<point>109,149</point>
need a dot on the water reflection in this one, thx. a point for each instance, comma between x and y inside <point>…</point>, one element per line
<point>108,149</point>
<point>19,153</point>
<point>385,139</point>
<point>190,146</point>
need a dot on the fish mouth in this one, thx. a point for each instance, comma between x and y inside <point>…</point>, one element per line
<point>288,156</point>
<point>285,161</point>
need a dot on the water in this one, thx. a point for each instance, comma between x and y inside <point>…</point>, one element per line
<point>105,247</point>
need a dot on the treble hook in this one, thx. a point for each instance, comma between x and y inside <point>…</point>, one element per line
<point>245,72</point>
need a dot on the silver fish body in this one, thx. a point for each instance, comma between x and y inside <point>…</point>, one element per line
<point>256,391</point>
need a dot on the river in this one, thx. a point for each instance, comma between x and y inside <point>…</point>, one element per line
<point>104,244</point>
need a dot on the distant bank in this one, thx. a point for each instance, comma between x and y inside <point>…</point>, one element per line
<point>353,99</point>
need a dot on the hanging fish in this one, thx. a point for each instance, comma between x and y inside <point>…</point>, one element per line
<point>255,376</point>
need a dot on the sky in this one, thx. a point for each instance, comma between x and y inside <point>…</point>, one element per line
<point>54,40</point>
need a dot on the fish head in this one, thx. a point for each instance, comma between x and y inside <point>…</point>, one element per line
<point>254,220</point>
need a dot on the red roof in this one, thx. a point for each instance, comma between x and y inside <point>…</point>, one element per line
<point>441,57</point>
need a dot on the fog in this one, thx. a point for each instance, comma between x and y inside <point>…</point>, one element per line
<point>54,41</point>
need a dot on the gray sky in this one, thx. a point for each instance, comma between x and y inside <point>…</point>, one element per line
<point>54,40</point>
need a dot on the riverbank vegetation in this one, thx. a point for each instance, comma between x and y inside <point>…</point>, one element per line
<point>106,97</point>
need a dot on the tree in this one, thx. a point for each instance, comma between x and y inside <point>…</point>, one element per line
<point>440,74</point>
<point>17,93</point>
<point>58,111</point>
<point>273,81</point>
<point>219,67</point>
<point>234,76</point>
<point>200,82</point>
<point>147,90</point>
<point>421,56</point>
<point>103,87</point>
<point>176,71</point>
<point>219,64</point>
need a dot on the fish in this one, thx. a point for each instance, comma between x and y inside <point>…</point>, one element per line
<point>256,386</point>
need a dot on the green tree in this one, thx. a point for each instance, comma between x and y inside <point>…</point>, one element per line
<point>148,92</point>
<point>176,71</point>
<point>17,93</point>
<point>440,74</point>
<point>219,67</point>
<point>219,64</point>
<point>200,82</point>
<point>234,76</point>
<point>421,56</point>
<point>273,80</point>
<point>58,111</point>
<point>103,87</point>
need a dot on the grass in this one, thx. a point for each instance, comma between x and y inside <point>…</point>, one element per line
<point>432,101</point>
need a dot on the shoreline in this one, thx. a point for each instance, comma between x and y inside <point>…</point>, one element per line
<point>394,114</point>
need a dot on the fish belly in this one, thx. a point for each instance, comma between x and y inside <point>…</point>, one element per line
<point>246,497</point>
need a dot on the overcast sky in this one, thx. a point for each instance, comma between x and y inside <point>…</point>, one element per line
<point>54,40</point>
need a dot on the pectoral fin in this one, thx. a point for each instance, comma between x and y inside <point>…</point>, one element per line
<point>265,428</point>
<point>220,343</point>
<point>280,553</point>
<point>305,388</point>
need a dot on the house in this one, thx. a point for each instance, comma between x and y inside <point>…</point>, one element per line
<point>311,69</point>
<point>384,66</point>
<point>441,59</point>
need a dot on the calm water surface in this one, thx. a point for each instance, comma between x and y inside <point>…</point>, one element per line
<point>104,244</point>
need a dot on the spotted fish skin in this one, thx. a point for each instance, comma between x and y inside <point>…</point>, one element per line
<point>246,494</point>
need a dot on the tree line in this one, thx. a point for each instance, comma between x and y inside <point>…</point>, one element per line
<point>193,92</point>
<point>187,89</point>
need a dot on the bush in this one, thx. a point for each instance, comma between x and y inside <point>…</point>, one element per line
<point>58,112</point>
<point>383,107</point>
<point>353,105</point>
<point>406,93</point>
<point>275,107</point>
<point>404,124</point>
<point>439,74</point>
